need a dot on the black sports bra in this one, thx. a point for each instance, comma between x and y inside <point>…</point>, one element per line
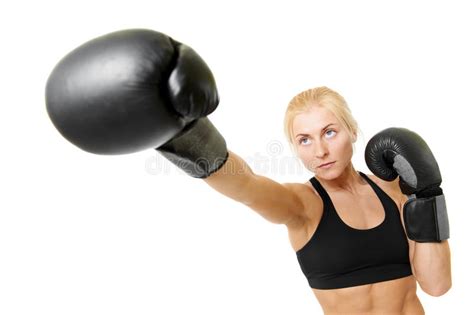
<point>339,256</point>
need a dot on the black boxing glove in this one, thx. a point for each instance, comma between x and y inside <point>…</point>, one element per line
<point>137,89</point>
<point>400,152</point>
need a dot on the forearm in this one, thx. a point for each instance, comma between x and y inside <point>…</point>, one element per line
<point>432,266</point>
<point>232,178</point>
<point>401,151</point>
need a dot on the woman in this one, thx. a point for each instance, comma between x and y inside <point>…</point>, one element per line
<point>339,205</point>
<point>344,226</point>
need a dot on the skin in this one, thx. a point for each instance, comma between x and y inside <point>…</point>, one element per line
<point>299,207</point>
<point>320,144</point>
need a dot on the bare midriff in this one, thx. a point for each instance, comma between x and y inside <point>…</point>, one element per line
<point>389,297</point>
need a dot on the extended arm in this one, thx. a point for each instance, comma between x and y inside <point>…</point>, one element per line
<point>278,203</point>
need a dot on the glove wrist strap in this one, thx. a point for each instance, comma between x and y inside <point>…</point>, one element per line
<point>426,219</point>
<point>199,150</point>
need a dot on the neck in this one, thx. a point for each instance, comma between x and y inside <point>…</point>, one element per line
<point>349,180</point>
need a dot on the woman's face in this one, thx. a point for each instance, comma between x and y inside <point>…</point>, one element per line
<point>319,139</point>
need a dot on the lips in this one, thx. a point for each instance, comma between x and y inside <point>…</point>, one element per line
<point>322,165</point>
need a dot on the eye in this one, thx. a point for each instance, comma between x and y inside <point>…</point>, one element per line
<point>331,131</point>
<point>303,141</point>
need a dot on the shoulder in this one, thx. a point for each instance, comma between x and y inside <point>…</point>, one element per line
<point>392,188</point>
<point>298,187</point>
<point>310,199</point>
<point>305,191</point>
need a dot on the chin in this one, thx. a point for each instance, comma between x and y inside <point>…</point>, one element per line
<point>328,174</point>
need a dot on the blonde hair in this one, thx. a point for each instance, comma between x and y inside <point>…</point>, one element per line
<point>323,97</point>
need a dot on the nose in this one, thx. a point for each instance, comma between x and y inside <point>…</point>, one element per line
<point>320,149</point>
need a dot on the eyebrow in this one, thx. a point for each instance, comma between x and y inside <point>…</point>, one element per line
<point>305,134</point>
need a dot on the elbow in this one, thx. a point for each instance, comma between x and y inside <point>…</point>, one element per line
<point>438,290</point>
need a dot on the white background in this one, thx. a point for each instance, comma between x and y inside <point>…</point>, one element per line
<point>88,234</point>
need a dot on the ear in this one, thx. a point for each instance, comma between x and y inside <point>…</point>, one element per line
<point>353,137</point>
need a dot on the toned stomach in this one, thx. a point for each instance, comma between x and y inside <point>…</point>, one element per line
<point>389,297</point>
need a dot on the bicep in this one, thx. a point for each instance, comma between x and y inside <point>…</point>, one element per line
<point>277,203</point>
